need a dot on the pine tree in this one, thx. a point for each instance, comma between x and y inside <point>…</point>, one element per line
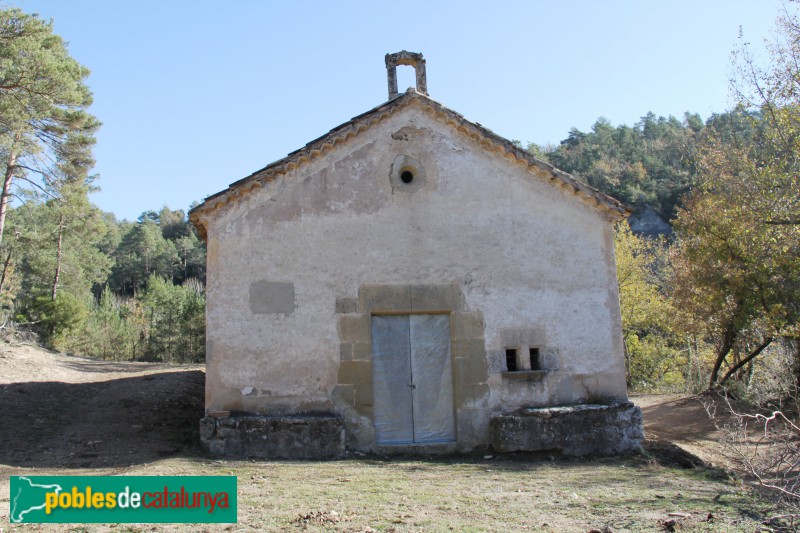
<point>44,126</point>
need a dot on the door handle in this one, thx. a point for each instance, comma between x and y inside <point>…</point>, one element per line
<point>412,385</point>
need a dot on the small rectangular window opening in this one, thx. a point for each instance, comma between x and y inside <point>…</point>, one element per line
<point>535,359</point>
<point>511,359</point>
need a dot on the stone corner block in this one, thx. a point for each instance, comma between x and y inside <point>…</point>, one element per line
<point>436,298</point>
<point>468,325</point>
<point>384,298</point>
<point>346,305</point>
<point>362,351</point>
<point>469,349</point>
<point>363,395</point>
<point>355,372</point>
<point>354,328</point>
<point>345,351</point>
<point>472,370</point>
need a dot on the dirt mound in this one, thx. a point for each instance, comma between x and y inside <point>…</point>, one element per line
<point>64,411</point>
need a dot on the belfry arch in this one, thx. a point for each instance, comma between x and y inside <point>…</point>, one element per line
<point>405,58</point>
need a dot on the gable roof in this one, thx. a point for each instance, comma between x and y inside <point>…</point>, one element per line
<point>489,140</point>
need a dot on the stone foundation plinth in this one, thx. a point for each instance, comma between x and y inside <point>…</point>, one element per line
<point>274,437</point>
<point>571,430</point>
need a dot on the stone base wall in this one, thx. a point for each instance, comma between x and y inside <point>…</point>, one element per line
<point>274,437</point>
<point>571,430</point>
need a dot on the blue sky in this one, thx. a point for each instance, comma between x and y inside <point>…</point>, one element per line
<point>194,95</point>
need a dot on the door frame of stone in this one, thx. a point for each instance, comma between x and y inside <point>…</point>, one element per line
<point>353,392</point>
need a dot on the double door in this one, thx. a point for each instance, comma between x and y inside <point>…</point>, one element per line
<point>412,379</point>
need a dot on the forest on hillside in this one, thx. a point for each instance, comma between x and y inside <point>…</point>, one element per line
<point>715,302</point>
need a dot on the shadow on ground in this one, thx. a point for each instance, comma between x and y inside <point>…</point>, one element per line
<point>120,422</point>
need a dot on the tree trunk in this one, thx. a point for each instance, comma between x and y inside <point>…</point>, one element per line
<point>690,377</point>
<point>6,265</point>
<point>796,343</point>
<point>59,253</point>
<point>752,355</point>
<point>728,340</point>
<point>11,166</point>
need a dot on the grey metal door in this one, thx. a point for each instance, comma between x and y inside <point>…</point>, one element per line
<point>412,379</point>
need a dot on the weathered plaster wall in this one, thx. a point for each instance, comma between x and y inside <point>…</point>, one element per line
<point>525,254</point>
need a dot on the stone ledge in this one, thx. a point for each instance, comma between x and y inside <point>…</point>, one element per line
<point>274,437</point>
<point>571,430</point>
<point>526,375</point>
<point>417,449</point>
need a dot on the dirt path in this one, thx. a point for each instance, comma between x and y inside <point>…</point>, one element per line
<point>64,411</point>
<point>685,422</point>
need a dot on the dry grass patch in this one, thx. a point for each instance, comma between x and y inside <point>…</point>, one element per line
<point>466,494</point>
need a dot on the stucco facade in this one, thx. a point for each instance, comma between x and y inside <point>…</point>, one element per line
<point>410,210</point>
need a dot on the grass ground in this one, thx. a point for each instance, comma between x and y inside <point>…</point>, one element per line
<point>633,493</point>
